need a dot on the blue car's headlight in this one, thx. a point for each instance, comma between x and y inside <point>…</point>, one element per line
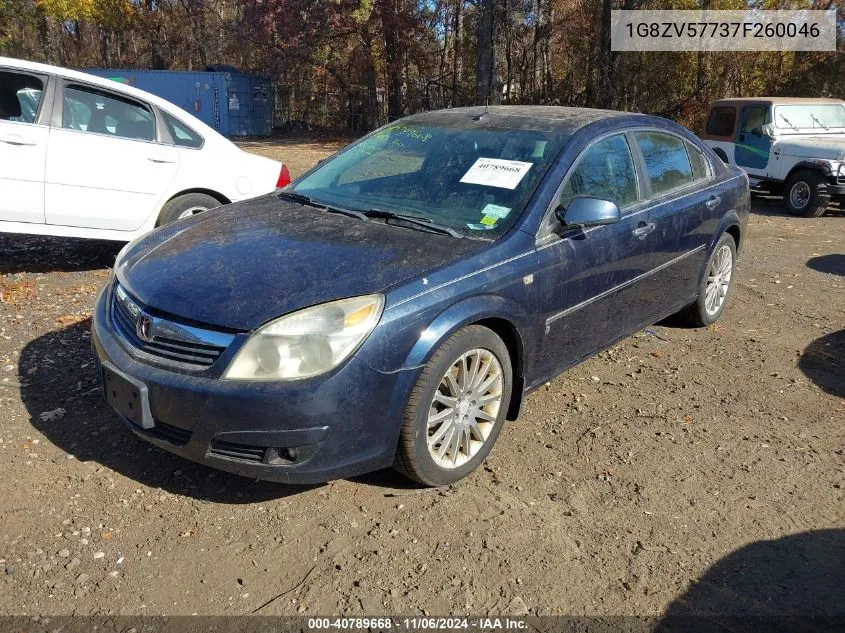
<point>307,342</point>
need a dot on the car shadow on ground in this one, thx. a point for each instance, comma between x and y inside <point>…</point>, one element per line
<point>833,264</point>
<point>770,205</point>
<point>823,362</point>
<point>794,583</point>
<point>37,254</point>
<point>89,430</point>
<point>65,377</point>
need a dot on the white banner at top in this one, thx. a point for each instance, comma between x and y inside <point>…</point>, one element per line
<point>752,30</point>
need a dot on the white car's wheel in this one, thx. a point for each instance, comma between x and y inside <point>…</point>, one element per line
<point>185,206</point>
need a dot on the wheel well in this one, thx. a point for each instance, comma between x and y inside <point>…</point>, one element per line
<point>734,232</point>
<point>214,194</point>
<point>801,167</point>
<point>513,341</point>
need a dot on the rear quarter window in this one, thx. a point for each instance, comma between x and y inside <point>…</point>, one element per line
<point>182,135</point>
<point>702,169</point>
<point>721,121</point>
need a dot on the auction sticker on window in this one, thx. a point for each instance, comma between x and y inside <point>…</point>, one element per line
<point>496,172</point>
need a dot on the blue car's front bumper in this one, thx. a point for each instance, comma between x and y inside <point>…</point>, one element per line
<point>338,425</point>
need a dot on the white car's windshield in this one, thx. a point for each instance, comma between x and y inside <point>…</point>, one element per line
<point>823,116</point>
<point>474,181</point>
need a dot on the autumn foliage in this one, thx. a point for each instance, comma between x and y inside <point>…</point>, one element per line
<point>357,63</point>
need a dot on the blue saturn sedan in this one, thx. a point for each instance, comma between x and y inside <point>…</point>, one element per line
<point>394,305</point>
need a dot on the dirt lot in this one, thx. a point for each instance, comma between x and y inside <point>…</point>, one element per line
<point>648,478</point>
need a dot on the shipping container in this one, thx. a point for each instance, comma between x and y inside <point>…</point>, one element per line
<point>233,103</point>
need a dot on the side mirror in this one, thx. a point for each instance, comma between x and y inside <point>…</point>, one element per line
<point>587,211</point>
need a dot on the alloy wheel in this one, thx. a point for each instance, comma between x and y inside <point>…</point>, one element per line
<point>465,408</point>
<point>718,279</point>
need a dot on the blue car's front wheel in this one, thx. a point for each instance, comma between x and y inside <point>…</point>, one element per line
<point>456,409</point>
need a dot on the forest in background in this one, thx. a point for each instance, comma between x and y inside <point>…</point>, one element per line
<point>356,63</point>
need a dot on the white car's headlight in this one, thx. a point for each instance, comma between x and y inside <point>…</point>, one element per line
<point>307,342</point>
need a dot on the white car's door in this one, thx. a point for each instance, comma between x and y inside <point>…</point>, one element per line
<point>105,167</point>
<point>23,147</point>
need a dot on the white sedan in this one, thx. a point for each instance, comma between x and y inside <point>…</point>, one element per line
<point>82,156</point>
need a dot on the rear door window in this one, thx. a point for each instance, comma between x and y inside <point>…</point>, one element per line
<point>90,110</point>
<point>666,162</point>
<point>20,97</point>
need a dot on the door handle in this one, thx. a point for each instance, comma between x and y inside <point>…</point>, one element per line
<point>644,229</point>
<point>160,158</point>
<point>713,202</point>
<point>14,139</point>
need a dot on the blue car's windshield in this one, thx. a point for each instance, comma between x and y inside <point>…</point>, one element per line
<point>475,181</point>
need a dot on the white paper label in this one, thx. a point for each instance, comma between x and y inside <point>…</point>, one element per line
<point>496,172</point>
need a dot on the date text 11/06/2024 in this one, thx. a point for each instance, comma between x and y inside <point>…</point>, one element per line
<point>418,623</point>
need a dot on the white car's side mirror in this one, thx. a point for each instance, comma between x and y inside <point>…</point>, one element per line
<point>769,130</point>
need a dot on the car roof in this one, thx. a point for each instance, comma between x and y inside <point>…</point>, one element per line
<point>774,101</point>
<point>556,119</point>
<point>114,86</point>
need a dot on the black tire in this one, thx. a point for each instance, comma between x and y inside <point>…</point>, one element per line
<point>817,197</point>
<point>697,314</point>
<point>196,202</point>
<point>412,454</point>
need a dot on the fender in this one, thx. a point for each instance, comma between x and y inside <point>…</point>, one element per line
<point>502,312</point>
<point>466,312</point>
<point>807,165</point>
<point>730,220</point>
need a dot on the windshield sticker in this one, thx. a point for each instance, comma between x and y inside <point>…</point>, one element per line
<point>496,172</point>
<point>479,227</point>
<point>496,211</point>
<point>489,220</point>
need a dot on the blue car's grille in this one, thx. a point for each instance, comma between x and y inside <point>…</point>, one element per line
<point>238,451</point>
<point>165,340</point>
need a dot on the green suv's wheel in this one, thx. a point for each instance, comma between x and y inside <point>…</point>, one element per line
<point>457,408</point>
<point>806,194</point>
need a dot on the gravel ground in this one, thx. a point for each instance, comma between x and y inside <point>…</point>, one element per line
<point>681,471</point>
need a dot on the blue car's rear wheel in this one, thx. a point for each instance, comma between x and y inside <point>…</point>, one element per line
<point>715,288</point>
<point>457,408</point>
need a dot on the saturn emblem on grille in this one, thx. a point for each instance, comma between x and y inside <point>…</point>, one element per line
<point>144,328</point>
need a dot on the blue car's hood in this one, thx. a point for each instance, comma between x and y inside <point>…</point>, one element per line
<point>242,265</point>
